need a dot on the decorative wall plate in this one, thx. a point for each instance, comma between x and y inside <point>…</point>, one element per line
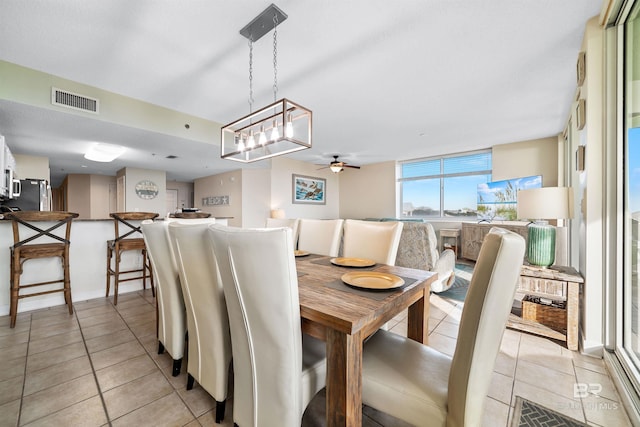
<point>146,189</point>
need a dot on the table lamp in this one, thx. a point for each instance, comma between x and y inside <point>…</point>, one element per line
<point>277,213</point>
<point>539,205</point>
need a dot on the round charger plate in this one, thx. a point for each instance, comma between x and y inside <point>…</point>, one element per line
<point>353,262</point>
<point>373,280</point>
<point>300,253</point>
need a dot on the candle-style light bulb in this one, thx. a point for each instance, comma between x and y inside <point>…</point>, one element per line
<point>288,130</point>
<point>262,139</point>
<point>275,135</point>
<point>251,142</point>
<point>240,144</point>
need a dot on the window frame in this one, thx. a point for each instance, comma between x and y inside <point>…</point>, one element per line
<point>441,176</point>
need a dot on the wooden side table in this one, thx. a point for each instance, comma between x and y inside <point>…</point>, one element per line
<point>554,283</point>
<point>446,234</point>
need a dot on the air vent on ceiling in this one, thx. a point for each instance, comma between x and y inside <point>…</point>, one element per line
<point>68,99</point>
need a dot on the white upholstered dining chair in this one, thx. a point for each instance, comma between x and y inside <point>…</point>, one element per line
<point>422,386</point>
<point>209,356</point>
<point>277,371</point>
<point>320,236</point>
<point>292,223</point>
<point>170,303</point>
<point>172,324</point>
<point>373,240</point>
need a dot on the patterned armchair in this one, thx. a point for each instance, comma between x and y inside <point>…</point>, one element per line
<point>419,249</point>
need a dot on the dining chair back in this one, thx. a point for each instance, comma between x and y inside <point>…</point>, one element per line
<point>276,370</point>
<point>128,237</point>
<point>171,319</point>
<point>320,236</point>
<point>373,240</point>
<point>422,386</point>
<point>209,356</point>
<point>292,223</point>
<point>39,234</point>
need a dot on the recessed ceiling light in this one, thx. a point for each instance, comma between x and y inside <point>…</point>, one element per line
<point>100,152</point>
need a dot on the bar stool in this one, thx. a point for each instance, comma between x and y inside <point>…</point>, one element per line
<point>23,250</point>
<point>123,243</point>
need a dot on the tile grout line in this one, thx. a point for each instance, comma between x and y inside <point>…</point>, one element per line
<point>24,380</point>
<point>93,370</point>
<point>24,376</point>
<point>512,403</point>
<point>158,367</point>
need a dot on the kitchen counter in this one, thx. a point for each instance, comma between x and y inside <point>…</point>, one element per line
<point>88,254</point>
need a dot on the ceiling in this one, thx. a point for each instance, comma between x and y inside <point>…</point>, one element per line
<point>385,80</point>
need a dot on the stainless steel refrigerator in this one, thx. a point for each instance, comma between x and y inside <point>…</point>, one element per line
<point>35,196</point>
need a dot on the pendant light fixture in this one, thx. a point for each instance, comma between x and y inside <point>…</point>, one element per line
<point>279,128</point>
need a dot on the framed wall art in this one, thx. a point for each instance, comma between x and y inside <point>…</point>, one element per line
<point>581,70</point>
<point>580,152</point>
<point>581,114</point>
<point>309,190</point>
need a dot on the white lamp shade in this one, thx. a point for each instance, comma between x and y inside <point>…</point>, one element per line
<point>277,213</point>
<point>545,203</point>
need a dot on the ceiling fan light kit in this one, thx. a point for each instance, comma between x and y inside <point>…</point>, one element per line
<point>337,166</point>
<point>279,128</point>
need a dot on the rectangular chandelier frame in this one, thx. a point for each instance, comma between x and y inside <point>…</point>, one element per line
<point>252,137</point>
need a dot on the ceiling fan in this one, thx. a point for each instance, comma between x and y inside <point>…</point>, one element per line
<point>338,166</point>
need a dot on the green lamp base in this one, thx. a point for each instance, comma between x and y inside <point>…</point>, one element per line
<point>541,245</point>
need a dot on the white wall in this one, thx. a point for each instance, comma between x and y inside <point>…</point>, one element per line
<point>588,187</point>
<point>282,169</point>
<point>224,184</point>
<point>32,167</point>
<point>185,193</point>
<point>256,197</point>
<point>133,202</point>
<point>368,192</point>
<point>527,158</point>
<point>31,87</point>
<point>102,196</point>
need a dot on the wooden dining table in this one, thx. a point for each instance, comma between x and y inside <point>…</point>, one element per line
<point>344,317</point>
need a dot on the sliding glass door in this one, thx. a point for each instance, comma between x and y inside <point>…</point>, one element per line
<point>631,280</point>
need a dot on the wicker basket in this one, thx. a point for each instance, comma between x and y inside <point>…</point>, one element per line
<point>548,315</point>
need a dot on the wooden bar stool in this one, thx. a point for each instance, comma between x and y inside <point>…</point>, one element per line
<point>123,243</point>
<point>52,245</point>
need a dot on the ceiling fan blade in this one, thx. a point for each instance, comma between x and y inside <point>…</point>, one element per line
<point>350,166</point>
<point>326,167</point>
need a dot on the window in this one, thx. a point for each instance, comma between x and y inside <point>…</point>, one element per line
<point>443,186</point>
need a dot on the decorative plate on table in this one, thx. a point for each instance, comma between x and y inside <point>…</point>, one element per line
<point>353,262</point>
<point>373,280</point>
<point>300,253</point>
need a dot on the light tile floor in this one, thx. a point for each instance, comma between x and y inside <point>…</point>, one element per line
<point>100,366</point>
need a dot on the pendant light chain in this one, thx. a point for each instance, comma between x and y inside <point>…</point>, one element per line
<point>275,57</point>
<point>250,76</point>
